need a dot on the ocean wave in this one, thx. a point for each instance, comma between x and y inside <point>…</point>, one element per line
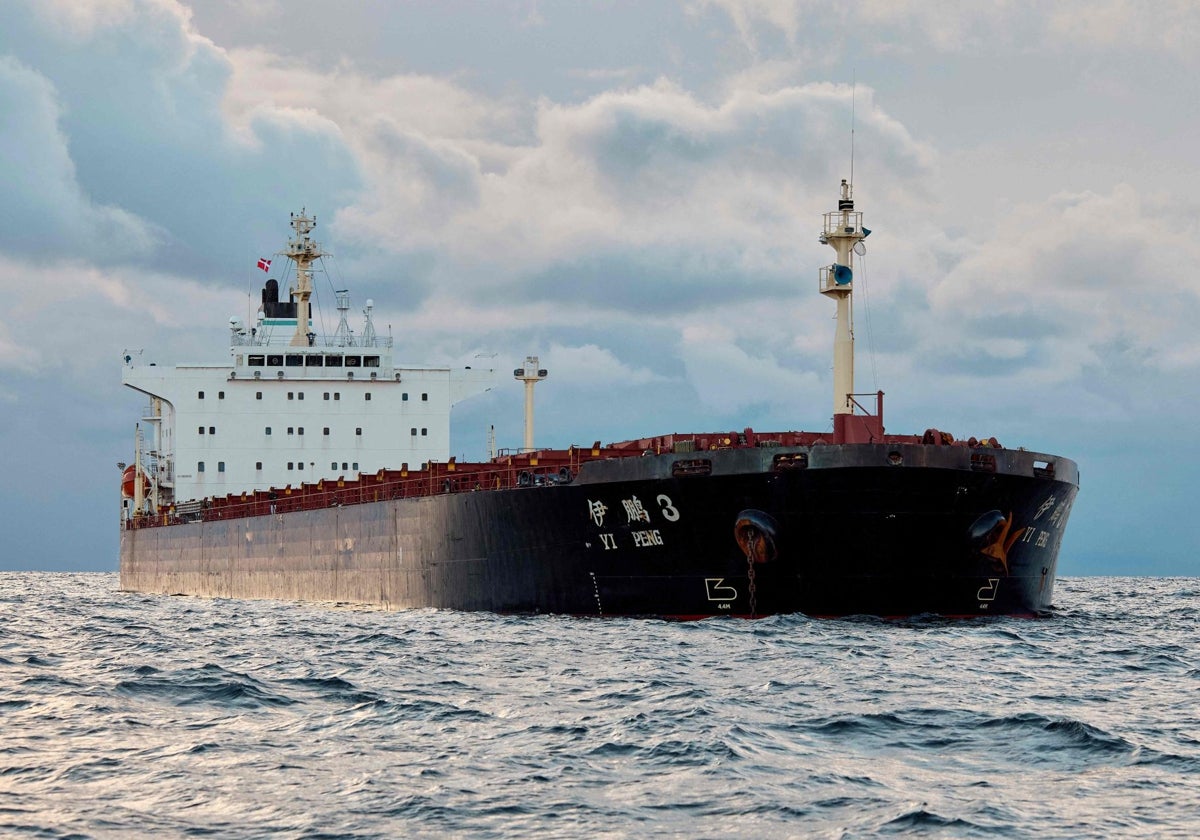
<point>129,715</point>
<point>210,684</point>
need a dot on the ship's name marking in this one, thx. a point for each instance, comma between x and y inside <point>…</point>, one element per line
<point>610,542</point>
<point>634,511</point>
<point>1059,517</point>
<point>1046,505</point>
<point>642,539</point>
<point>1042,537</point>
<point>596,511</point>
<point>669,511</point>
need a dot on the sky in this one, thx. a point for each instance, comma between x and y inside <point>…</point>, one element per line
<point>633,192</point>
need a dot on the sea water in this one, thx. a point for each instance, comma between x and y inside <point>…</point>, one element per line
<point>132,715</point>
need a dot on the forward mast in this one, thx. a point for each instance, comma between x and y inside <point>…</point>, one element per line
<point>844,232</point>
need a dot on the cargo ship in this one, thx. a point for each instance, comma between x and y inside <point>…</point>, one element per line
<point>317,468</point>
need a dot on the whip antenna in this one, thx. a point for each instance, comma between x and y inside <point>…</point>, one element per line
<point>853,88</point>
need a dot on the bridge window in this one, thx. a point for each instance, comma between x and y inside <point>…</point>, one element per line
<point>199,466</point>
<point>370,361</point>
<point>258,395</point>
<point>367,396</point>
<point>258,465</point>
<point>256,361</point>
<point>274,361</point>
<point>333,361</point>
<point>199,395</point>
<point>220,466</point>
<point>294,360</point>
<point>313,361</point>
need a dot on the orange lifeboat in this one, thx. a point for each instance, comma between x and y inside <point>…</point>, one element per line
<point>127,485</point>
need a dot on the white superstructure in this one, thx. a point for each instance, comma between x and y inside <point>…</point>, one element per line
<point>291,406</point>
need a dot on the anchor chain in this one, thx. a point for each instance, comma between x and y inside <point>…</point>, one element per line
<point>753,585</point>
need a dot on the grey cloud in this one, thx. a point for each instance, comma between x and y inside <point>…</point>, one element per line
<point>140,124</point>
<point>651,281</point>
<point>43,208</point>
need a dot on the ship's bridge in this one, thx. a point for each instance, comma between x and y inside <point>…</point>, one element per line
<point>321,361</point>
<point>277,349</point>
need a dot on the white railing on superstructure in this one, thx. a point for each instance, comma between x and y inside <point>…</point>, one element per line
<point>283,336</point>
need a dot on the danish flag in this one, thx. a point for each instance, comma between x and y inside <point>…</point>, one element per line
<point>264,264</point>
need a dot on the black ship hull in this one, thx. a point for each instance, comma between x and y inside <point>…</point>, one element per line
<point>878,529</point>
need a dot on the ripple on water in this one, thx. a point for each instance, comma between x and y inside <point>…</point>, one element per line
<point>127,714</point>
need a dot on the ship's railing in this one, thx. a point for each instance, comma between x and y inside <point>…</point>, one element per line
<point>538,469</point>
<point>283,336</point>
<point>827,279</point>
<point>543,468</point>
<point>838,222</point>
<point>854,403</point>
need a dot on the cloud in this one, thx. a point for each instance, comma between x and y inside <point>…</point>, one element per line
<point>82,19</point>
<point>14,356</point>
<point>59,312</point>
<point>125,104</point>
<point>643,200</point>
<point>892,25</point>
<point>647,199</point>
<point>746,15</point>
<point>44,209</point>
<point>1173,26</point>
<point>730,380</point>
<point>589,366</point>
<point>1072,276</point>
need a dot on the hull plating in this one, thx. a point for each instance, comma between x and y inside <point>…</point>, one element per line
<point>862,529</point>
